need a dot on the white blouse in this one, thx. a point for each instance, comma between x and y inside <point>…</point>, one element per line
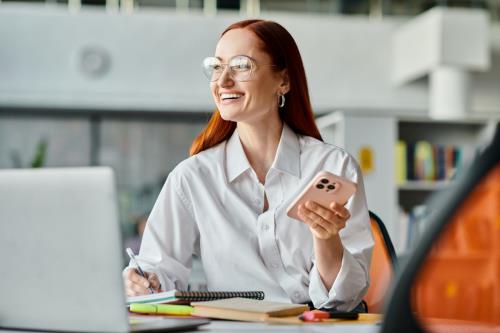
<point>211,205</point>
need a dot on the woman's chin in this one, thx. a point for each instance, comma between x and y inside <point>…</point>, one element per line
<point>229,115</point>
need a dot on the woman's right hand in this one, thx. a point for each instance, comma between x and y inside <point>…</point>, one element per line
<point>136,285</point>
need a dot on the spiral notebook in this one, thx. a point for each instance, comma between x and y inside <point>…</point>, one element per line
<point>186,297</point>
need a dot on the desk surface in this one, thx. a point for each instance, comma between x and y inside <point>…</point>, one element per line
<point>220,326</point>
<point>230,326</point>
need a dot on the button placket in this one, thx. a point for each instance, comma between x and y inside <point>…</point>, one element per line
<point>268,245</point>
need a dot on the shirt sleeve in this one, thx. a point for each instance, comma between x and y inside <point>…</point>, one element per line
<point>169,238</point>
<point>352,280</point>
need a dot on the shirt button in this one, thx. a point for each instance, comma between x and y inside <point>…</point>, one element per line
<point>275,265</point>
<point>265,227</point>
<point>296,295</point>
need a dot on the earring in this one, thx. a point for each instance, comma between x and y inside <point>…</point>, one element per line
<point>281,100</point>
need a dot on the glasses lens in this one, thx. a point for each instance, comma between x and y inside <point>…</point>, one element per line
<point>212,68</point>
<point>241,68</point>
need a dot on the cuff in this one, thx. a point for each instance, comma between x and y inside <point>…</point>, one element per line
<point>347,290</point>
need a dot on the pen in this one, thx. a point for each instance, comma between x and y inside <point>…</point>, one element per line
<point>132,257</point>
<point>168,309</point>
<point>318,315</point>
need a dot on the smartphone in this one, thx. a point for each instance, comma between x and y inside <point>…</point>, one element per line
<point>324,189</point>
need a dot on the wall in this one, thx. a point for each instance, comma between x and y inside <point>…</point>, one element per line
<point>154,61</point>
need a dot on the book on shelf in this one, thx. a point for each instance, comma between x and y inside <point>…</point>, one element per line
<point>411,226</point>
<point>410,161</point>
<point>245,309</point>
<point>401,171</point>
<point>186,297</point>
<point>424,161</point>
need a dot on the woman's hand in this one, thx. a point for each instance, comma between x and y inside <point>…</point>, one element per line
<point>324,223</point>
<point>136,285</point>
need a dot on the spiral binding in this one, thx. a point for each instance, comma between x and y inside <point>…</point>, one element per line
<point>195,296</point>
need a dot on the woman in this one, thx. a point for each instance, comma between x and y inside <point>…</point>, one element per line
<point>227,202</point>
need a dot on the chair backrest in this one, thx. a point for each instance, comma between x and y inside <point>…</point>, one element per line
<point>382,266</point>
<point>459,279</point>
<point>451,280</point>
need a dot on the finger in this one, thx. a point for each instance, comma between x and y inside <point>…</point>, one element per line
<point>128,284</point>
<point>316,229</point>
<point>129,292</point>
<point>128,275</point>
<point>132,289</point>
<point>312,219</point>
<point>135,277</point>
<point>325,213</point>
<point>340,210</point>
<point>320,227</point>
<point>139,289</point>
<point>132,274</point>
<point>154,281</point>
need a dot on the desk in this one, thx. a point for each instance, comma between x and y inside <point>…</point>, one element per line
<point>217,326</point>
<point>221,326</point>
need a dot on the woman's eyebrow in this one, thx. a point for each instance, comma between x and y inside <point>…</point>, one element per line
<point>237,55</point>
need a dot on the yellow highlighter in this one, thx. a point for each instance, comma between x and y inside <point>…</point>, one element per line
<point>162,309</point>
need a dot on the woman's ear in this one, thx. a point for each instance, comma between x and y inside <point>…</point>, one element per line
<point>285,82</point>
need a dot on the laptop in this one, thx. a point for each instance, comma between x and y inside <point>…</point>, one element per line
<point>61,254</point>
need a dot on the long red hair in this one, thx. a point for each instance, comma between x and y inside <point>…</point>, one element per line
<point>297,112</point>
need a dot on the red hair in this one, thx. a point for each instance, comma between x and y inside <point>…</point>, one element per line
<point>297,112</point>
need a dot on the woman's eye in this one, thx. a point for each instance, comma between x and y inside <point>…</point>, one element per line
<point>241,67</point>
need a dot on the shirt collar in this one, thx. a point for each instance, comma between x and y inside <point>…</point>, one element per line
<point>236,160</point>
<point>287,155</point>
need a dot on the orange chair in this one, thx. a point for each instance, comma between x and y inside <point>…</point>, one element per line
<point>459,279</point>
<point>451,282</point>
<point>382,268</point>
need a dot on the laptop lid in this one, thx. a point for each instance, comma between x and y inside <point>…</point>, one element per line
<point>61,254</point>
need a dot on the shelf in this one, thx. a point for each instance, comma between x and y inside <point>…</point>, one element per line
<point>420,185</point>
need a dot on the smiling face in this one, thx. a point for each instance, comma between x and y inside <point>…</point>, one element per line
<point>252,100</point>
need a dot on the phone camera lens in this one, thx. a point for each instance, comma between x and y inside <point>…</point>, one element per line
<point>324,181</point>
<point>320,186</point>
<point>331,187</point>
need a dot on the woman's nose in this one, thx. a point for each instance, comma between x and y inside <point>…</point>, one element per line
<point>225,78</point>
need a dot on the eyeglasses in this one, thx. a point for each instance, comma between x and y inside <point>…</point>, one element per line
<point>241,68</point>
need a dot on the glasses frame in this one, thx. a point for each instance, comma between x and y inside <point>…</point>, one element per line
<point>254,66</point>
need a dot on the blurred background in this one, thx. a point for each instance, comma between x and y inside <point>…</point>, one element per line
<point>410,88</point>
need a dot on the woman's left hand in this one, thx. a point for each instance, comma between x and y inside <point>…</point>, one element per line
<point>324,223</point>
